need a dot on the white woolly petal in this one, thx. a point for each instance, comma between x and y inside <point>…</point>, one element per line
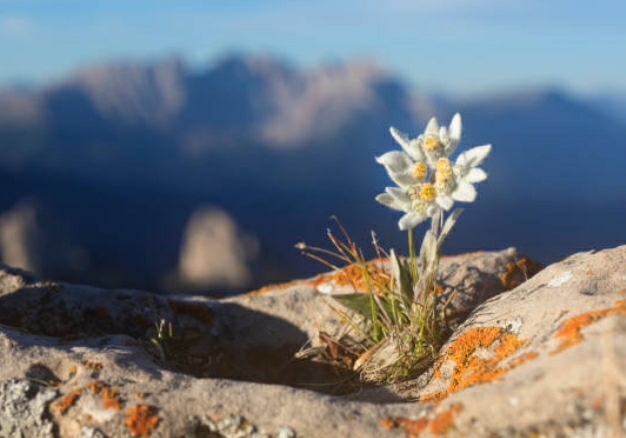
<point>432,127</point>
<point>389,201</point>
<point>465,192</point>
<point>476,175</point>
<point>410,220</point>
<point>395,161</point>
<point>473,157</point>
<point>415,151</point>
<point>399,166</point>
<point>454,135</point>
<point>443,134</point>
<point>400,195</point>
<point>445,202</point>
<point>400,137</point>
<point>404,179</point>
<point>456,128</point>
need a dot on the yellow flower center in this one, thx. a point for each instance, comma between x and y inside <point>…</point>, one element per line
<point>430,143</point>
<point>427,192</point>
<point>443,170</point>
<point>419,171</point>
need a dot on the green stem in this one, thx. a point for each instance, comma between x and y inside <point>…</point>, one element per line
<point>412,256</point>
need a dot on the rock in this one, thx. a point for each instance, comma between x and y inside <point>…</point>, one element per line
<point>23,409</point>
<point>543,359</point>
<point>21,237</point>
<point>214,252</point>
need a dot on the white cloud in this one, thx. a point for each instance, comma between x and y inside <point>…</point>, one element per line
<point>17,27</point>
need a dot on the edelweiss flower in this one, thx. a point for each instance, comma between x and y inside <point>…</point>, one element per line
<point>438,142</point>
<point>417,202</point>
<point>454,183</point>
<point>411,166</point>
<point>420,195</point>
<point>467,172</point>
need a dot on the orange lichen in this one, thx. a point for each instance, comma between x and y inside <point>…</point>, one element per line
<point>471,365</point>
<point>355,275</point>
<point>518,272</point>
<point>93,365</point>
<point>198,311</point>
<point>570,331</point>
<point>141,419</point>
<point>412,427</point>
<point>443,420</point>
<point>72,371</point>
<point>64,403</point>
<point>110,398</point>
<point>437,424</point>
<point>271,287</point>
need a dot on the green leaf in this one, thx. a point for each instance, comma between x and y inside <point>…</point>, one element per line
<point>447,227</point>
<point>357,302</point>
<point>401,271</point>
<point>428,248</point>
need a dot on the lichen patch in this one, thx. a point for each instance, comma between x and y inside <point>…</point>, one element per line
<point>141,419</point>
<point>437,423</point>
<point>356,275</point>
<point>110,397</point>
<point>271,287</point>
<point>477,356</point>
<point>518,272</point>
<point>570,332</point>
<point>62,404</point>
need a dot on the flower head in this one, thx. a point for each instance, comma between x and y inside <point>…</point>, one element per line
<point>417,202</point>
<point>437,142</point>
<point>427,180</point>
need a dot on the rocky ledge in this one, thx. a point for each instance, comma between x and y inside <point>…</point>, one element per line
<point>538,355</point>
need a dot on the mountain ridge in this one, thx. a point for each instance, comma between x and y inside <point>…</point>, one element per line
<point>282,149</point>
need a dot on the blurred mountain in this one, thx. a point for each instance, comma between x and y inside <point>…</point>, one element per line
<point>611,104</point>
<point>120,156</point>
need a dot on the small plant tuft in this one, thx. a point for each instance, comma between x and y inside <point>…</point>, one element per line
<point>394,312</point>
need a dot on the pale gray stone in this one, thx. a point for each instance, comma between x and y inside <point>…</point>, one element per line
<point>546,358</point>
<point>23,409</point>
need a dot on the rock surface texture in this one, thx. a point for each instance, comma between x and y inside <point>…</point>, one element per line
<point>541,357</point>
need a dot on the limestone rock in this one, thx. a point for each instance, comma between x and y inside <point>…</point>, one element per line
<point>214,252</point>
<point>544,359</point>
<point>20,236</point>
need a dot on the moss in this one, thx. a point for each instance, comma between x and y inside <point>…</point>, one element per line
<point>570,332</point>
<point>141,419</point>
<point>473,368</point>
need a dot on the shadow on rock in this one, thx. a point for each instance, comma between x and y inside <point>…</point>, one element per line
<point>193,335</point>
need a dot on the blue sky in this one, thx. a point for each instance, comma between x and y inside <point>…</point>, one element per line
<point>455,46</point>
